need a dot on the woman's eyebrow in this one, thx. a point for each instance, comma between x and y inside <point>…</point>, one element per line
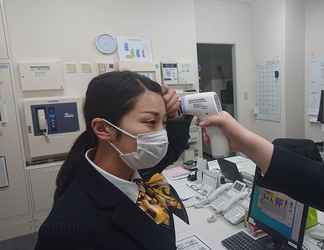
<point>155,113</point>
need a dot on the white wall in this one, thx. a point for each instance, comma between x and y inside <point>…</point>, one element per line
<point>261,30</point>
<point>229,22</point>
<point>279,33</point>
<point>268,44</point>
<point>66,30</point>
<point>295,65</point>
<point>314,47</point>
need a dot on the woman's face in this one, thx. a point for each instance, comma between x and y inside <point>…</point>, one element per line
<point>148,115</point>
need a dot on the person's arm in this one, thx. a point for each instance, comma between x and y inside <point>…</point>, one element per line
<point>287,172</point>
<point>242,140</point>
<point>297,176</point>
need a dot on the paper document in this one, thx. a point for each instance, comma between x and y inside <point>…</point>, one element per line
<point>191,243</point>
<point>136,50</point>
<point>175,173</point>
<point>316,84</point>
<point>182,189</point>
<point>268,91</point>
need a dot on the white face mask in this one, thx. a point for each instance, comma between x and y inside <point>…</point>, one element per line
<point>151,148</point>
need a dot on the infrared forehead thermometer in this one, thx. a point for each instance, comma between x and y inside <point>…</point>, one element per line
<point>201,105</point>
<point>206,103</point>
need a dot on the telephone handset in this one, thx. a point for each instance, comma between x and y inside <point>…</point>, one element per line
<point>237,212</point>
<point>233,200</point>
<point>42,121</point>
<point>229,198</point>
<point>213,195</point>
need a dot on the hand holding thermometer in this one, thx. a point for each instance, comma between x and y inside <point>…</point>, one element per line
<point>201,105</point>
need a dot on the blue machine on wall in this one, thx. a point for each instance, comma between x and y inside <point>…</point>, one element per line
<point>61,118</point>
<point>52,125</point>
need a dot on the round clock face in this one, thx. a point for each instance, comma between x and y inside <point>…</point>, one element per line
<point>106,44</point>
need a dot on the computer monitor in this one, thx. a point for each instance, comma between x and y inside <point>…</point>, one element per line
<point>230,170</point>
<point>282,217</point>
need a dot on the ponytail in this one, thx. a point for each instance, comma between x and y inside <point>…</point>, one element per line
<point>71,165</point>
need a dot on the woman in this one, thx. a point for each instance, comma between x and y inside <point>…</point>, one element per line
<point>288,172</point>
<point>101,200</point>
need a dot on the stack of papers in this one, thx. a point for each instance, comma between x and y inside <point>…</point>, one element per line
<point>191,243</point>
<point>182,189</point>
<point>177,178</point>
<point>176,173</point>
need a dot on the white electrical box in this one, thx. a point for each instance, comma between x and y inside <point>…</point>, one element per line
<point>51,126</point>
<point>169,73</point>
<point>175,73</point>
<point>185,73</point>
<point>149,70</point>
<point>41,76</point>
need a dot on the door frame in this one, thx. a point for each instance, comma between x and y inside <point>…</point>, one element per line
<point>234,73</point>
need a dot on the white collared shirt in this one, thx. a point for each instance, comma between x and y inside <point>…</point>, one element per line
<point>129,188</point>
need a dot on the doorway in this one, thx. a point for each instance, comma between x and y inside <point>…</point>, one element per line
<point>216,73</point>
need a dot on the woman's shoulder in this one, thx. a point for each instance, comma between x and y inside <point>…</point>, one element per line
<point>73,206</point>
<point>71,220</point>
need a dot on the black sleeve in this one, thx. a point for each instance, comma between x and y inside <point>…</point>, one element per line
<point>178,135</point>
<point>297,176</point>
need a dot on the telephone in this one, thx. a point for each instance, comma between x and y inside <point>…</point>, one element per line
<point>227,199</point>
<point>210,181</point>
<point>213,195</point>
<point>231,200</point>
<point>42,122</point>
<point>236,213</point>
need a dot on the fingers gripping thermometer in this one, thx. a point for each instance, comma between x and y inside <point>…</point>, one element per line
<point>201,105</point>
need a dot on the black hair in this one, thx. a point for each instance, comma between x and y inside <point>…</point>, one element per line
<point>109,96</point>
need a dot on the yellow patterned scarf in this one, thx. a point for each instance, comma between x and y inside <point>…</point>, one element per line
<point>155,199</point>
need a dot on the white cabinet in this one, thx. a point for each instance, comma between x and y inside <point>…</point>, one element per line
<point>15,213</point>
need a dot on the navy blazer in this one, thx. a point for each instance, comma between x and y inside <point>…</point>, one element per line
<point>94,214</point>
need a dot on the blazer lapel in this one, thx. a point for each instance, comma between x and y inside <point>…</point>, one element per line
<point>181,213</point>
<point>131,219</point>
